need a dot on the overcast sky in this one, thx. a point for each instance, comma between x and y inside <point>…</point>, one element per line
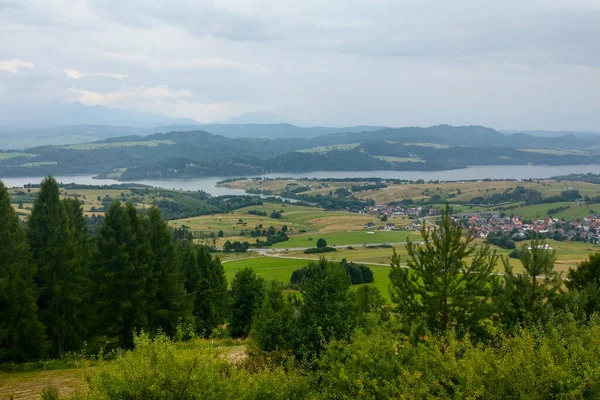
<point>507,64</point>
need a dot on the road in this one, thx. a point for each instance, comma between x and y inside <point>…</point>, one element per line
<point>271,250</point>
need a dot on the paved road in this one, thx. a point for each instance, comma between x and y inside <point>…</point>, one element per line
<point>271,250</point>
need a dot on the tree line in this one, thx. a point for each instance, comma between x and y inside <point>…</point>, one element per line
<point>61,287</point>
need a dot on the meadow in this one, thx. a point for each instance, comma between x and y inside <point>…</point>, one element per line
<point>299,220</point>
<point>105,145</point>
<point>280,265</point>
<point>9,155</point>
<point>456,192</point>
<point>91,199</point>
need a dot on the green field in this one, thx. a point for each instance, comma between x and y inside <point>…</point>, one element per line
<point>557,152</point>
<point>540,211</point>
<point>281,270</point>
<point>297,219</point>
<point>347,238</point>
<point>38,164</point>
<point>94,146</point>
<point>268,267</point>
<point>327,149</point>
<point>454,192</point>
<point>399,159</point>
<point>8,156</point>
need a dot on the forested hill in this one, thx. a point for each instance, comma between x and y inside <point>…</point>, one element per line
<point>198,153</point>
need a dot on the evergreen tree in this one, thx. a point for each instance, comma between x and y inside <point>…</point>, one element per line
<point>205,282</point>
<point>585,279</point>
<point>60,272</point>
<point>168,302</point>
<point>21,333</point>
<point>528,296</point>
<point>121,270</point>
<point>326,310</point>
<point>587,272</point>
<point>220,293</point>
<point>247,292</point>
<point>271,325</point>
<point>448,280</point>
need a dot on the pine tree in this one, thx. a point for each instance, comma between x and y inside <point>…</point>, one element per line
<point>60,273</point>
<point>121,270</point>
<point>168,302</point>
<point>247,292</point>
<point>21,333</point>
<point>448,280</point>
<point>528,296</point>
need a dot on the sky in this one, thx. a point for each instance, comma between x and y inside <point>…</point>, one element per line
<point>506,64</point>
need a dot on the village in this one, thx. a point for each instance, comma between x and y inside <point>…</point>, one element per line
<point>586,229</point>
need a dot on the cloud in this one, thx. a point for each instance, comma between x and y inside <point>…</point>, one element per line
<point>74,74</point>
<point>511,64</point>
<point>176,103</point>
<point>170,63</point>
<point>141,93</point>
<point>14,66</point>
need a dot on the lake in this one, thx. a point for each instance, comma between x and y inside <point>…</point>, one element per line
<point>209,184</point>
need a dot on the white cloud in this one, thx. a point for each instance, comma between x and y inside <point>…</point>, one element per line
<point>14,65</point>
<point>74,74</point>
<point>140,92</point>
<point>163,100</point>
<point>175,63</point>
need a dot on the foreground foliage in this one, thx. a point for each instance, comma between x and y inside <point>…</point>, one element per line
<point>557,361</point>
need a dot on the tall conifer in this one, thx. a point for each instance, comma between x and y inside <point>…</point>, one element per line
<point>60,274</point>
<point>21,333</point>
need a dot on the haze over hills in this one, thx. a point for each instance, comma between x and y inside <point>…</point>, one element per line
<point>198,153</point>
<point>48,115</point>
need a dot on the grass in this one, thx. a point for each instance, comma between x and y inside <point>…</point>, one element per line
<point>38,164</point>
<point>8,156</point>
<point>29,385</point>
<point>347,238</point>
<point>296,218</point>
<point>456,192</point>
<point>557,152</point>
<point>399,159</point>
<point>281,270</point>
<point>327,149</point>
<point>540,211</point>
<point>104,145</point>
<point>434,145</point>
<point>267,267</point>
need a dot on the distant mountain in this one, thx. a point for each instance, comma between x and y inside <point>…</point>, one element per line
<point>199,153</point>
<point>553,133</point>
<point>257,117</point>
<point>280,131</point>
<point>63,135</point>
<point>34,116</point>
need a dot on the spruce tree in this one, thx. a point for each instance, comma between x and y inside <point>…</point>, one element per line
<point>21,333</point>
<point>326,311</point>
<point>448,281</point>
<point>60,273</point>
<point>271,324</point>
<point>247,292</point>
<point>121,271</point>
<point>168,302</point>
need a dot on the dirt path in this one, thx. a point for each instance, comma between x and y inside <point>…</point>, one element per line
<point>29,385</point>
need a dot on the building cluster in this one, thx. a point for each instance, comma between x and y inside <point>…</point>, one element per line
<point>585,230</point>
<point>401,210</point>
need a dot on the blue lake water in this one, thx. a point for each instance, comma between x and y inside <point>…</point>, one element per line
<point>209,184</point>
